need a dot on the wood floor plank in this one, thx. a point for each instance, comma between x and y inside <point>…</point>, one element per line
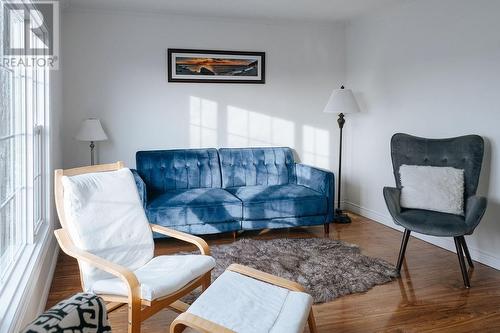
<point>429,296</point>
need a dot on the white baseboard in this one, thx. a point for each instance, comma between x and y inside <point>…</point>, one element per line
<point>443,242</point>
<point>48,282</point>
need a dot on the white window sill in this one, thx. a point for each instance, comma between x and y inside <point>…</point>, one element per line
<point>16,293</point>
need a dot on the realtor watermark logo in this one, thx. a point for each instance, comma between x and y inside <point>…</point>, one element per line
<point>30,32</point>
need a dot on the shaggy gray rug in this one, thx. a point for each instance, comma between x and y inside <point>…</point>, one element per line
<point>327,268</point>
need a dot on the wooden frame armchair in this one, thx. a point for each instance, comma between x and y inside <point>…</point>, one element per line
<point>138,309</point>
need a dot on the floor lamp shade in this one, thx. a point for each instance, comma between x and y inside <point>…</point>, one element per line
<point>91,130</point>
<point>341,101</point>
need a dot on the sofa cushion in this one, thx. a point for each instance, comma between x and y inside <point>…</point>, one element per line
<point>166,170</point>
<point>257,166</point>
<point>206,229</point>
<point>268,202</point>
<point>284,222</point>
<point>194,206</point>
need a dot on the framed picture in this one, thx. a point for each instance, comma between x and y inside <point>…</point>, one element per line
<point>185,65</point>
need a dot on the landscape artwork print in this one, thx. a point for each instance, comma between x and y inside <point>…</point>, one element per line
<point>186,65</point>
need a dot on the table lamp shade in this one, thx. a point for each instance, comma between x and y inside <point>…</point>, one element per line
<point>342,101</point>
<point>91,130</point>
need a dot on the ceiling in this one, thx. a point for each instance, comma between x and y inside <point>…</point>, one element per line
<point>323,10</point>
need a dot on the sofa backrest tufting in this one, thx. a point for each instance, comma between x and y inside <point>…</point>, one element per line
<point>257,166</point>
<point>166,170</point>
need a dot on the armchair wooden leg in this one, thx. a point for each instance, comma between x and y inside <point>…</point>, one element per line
<point>206,281</point>
<point>235,235</point>
<point>312,322</point>
<point>461,260</point>
<point>326,227</point>
<point>466,251</point>
<point>134,315</point>
<point>178,328</point>
<point>402,250</point>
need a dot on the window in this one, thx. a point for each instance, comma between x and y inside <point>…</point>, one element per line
<point>23,181</point>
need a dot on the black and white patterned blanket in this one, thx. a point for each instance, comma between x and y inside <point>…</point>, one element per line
<point>82,312</point>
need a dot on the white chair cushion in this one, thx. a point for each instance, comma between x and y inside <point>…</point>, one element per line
<point>246,305</point>
<point>105,217</point>
<point>439,189</point>
<point>161,276</point>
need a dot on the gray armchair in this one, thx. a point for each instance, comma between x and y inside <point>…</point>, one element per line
<point>465,152</point>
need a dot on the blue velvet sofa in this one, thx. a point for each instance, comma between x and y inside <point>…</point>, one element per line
<point>206,191</point>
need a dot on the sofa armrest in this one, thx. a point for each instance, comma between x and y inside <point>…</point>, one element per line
<point>141,187</point>
<point>392,196</point>
<point>474,211</point>
<point>320,180</point>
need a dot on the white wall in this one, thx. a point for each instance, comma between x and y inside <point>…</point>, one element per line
<point>432,69</point>
<point>429,68</point>
<point>115,69</point>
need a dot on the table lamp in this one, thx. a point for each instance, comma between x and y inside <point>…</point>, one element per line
<point>91,130</point>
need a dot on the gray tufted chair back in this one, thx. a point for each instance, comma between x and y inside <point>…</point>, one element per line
<point>464,152</point>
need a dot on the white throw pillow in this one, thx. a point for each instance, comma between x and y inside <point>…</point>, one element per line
<point>105,217</point>
<point>439,189</point>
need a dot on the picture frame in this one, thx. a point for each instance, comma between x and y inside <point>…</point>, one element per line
<point>215,66</point>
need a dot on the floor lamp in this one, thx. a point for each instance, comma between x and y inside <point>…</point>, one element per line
<point>91,131</point>
<point>341,102</point>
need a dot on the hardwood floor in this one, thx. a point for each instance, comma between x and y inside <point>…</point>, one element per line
<point>429,297</point>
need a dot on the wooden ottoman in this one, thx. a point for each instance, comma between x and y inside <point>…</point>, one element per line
<point>245,300</point>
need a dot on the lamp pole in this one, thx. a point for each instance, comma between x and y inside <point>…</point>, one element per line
<point>92,146</point>
<point>340,216</point>
<point>341,122</point>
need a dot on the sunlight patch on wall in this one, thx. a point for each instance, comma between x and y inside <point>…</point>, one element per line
<point>316,146</point>
<point>202,122</point>
<point>247,128</point>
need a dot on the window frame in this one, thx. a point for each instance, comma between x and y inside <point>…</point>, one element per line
<point>35,188</point>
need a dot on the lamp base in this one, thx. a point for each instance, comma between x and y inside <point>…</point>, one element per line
<point>341,217</point>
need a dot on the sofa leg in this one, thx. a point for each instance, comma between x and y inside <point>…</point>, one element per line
<point>466,251</point>
<point>461,260</point>
<point>326,227</point>
<point>402,250</point>
<point>235,234</point>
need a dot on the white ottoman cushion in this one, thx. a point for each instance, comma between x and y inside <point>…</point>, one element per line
<point>247,305</point>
